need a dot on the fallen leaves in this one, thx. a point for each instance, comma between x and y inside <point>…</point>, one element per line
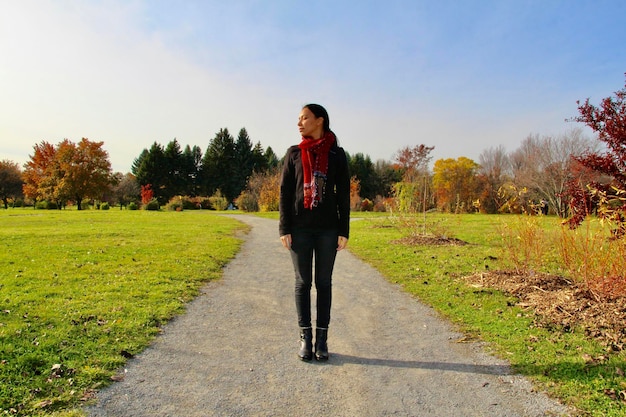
<point>560,303</point>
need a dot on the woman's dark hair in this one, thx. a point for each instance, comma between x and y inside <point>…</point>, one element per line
<point>319,111</point>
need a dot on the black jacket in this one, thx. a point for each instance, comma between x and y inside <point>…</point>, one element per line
<point>333,212</point>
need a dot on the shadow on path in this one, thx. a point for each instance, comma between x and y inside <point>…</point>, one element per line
<point>341,359</point>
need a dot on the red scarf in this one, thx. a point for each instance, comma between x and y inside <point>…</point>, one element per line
<point>315,167</point>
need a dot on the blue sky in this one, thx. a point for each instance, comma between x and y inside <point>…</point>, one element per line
<point>462,76</point>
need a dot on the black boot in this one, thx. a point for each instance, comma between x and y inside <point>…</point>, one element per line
<point>306,344</point>
<point>321,347</point>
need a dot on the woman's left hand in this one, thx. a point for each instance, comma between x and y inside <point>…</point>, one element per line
<point>342,242</point>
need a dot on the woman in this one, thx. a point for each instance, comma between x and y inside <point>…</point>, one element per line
<point>314,220</point>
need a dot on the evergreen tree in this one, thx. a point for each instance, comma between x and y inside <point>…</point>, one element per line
<point>388,174</point>
<point>152,170</point>
<point>134,169</point>
<point>259,163</point>
<point>363,169</point>
<point>243,160</point>
<point>190,169</point>
<point>219,166</point>
<point>174,179</point>
<point>271,158</point>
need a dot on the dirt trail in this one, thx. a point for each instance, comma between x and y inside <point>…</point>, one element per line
<point>234,353</point>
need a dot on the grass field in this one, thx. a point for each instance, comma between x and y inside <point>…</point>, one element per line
<point>82,291</point>
<point>556,359</point>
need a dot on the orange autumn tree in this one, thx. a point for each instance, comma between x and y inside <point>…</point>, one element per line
<point>39,181</point>
<point>68,172</point>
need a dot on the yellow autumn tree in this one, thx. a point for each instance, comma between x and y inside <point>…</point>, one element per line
<point>454,182</point>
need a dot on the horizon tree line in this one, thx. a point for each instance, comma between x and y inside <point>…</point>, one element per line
<point>535,173</point>
<point>568,175</point>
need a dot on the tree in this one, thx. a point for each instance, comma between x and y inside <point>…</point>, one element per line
<point>244,161</point>
<point>175,181</point>
<point>39,181</point>
<point>388,174</point>
<point>136,166</point>
<point>218,166</point>
<point>608,120</point>
<point>271,159</point>
<point>150,168</point>
<point>126,189</point>
<point>259,160</point>
<point>10,181</point>
<point>545,165</point>
<point>413,193</point>
<point>191,165</point>
<point>414,161</point>
<point>84,171</point>
<point>494,171</point>
<point>68,171</point>
<point>361,167</point>
<point>454,183</point>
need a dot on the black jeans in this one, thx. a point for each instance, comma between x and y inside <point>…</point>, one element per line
<point>305,244</point>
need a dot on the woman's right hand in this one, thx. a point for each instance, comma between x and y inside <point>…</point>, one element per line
<point>286,241</point>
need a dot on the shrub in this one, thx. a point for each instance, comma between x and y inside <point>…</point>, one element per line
<point>380,205</point>
<point>366,205</point>
<point>152,205</point>
<point>183,202</point>
<point>175,204</point>
<point>199,203</point>
<point>133,206</point>
<point>527,245</point>
<point>147,194</point>
<point>355,189</point>
<point>218,201</point>
<point>247,202</point>
<point>188,204</point>
<point>592,255</point>
<point>46,205</point>
<point>269,192</point>
<point>407,197</point>
<point>105,206</point>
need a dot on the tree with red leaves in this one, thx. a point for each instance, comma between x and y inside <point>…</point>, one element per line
<point>608,120</point>
<point>414,161</point>
<point>147,194</point>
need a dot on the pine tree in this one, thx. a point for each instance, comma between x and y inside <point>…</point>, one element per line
<point>244,161</point>
<point>152,171</point>
<point>219,166</point>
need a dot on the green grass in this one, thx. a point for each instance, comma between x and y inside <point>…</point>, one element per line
<point>553,359</point>
<point>84,289</point>
<point>81,291</point>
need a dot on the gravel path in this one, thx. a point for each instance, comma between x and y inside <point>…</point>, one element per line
<point>234,353</point>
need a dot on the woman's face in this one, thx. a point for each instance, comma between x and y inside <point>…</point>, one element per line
<point>309,125</point>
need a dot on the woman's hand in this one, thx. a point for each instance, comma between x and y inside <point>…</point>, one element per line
<point>342,242</point>
<point>286,241</point>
